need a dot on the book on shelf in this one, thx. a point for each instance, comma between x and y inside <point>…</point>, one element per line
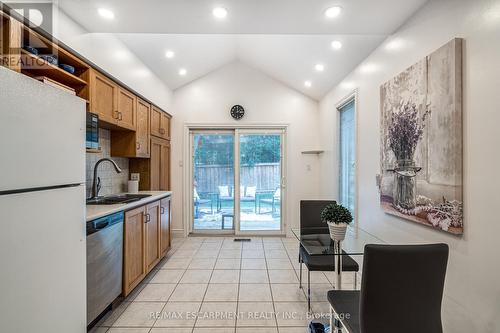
<point>55,84</point>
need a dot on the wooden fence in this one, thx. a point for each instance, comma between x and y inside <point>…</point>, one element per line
<point>265,176</point>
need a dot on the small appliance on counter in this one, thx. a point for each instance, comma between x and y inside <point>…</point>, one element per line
<point>133,183</point>
<point>92,141</point>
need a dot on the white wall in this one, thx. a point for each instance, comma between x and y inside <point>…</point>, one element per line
<point>266,101</point>
<point>472,294</point>
<point>109,53</point>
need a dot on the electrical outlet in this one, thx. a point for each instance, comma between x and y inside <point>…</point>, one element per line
<point>134,176</point>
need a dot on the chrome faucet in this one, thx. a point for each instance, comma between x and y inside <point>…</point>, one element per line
<point>96,183</point>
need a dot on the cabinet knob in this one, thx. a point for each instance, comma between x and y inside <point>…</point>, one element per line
<point>162,210</point>
<point>138,145</point>
<point>120,116</point>
<point>148,218</point>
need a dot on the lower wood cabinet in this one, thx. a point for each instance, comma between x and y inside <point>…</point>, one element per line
<point>152,235</point>
<point>147,232</point>
<point>165,231</point>
<point>134,265</point>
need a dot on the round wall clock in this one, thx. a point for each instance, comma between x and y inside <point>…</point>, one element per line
<point>237,112</point>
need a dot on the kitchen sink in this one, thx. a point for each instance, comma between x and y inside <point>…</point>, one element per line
<point>116,199</point>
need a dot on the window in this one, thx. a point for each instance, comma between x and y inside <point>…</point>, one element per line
<point>347,155</point>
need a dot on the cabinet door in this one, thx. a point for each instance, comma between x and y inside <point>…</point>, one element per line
<point>155,161</point>
<point>165,167</point>
<point>103,94</point>
<point>134,243</point>
<point>165,219</point>
<point>156,120</point>
<point>165,126</point>
<point>152,235</point>
<point>142,130</point>
<point>126,109</point>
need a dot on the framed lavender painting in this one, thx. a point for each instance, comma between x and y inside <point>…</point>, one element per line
<point>421,141</point>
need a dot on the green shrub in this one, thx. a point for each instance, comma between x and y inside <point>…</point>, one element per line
<point>336,213</point>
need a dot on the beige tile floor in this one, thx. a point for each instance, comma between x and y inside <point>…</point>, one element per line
<point>213,284</point>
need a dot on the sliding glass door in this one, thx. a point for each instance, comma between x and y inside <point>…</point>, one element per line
<point>237,181</point>
<point>213,180</point>
<point>260,180</point>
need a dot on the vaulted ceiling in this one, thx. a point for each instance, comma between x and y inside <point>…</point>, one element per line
<point>283,38</point>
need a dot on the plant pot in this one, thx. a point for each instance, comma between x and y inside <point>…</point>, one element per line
<point>337,231</point>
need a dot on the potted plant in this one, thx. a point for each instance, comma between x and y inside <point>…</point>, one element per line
<point>338,218</point>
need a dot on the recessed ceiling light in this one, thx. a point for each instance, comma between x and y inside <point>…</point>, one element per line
<point>368,68</point>
<point>308,84</point>
<point>182,71</point>
<point>169,54</point>
<point>394,45</point>
<point>106,13</point>
<point>219,12</point>
<point>336,45</point>
<point>347,85</point>
<point>319,67</point>
<point>333,11</point>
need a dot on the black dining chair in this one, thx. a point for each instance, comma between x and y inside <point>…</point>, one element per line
<point>310,223</point>
<point>401,291</point>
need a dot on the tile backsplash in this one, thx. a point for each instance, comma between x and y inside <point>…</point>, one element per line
<point>111,182</point>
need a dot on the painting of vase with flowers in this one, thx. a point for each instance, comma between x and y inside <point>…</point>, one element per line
<point>421,141</point>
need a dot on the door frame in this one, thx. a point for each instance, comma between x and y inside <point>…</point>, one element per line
<point>352,96</point>
<point>187,184</point>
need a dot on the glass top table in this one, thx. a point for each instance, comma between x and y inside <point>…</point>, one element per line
<point>317,244</point>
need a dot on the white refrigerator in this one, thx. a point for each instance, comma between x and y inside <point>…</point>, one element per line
<point>42,207</point>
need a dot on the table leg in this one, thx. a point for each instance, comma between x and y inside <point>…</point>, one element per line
<point>338,278</point>
<point>338,266</point>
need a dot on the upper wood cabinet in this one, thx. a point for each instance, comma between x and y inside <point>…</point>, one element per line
<point>134,265</point>
<point>143,129</point>
<point>127,105</point>
<point>115,105</point>
<point>134,144</point>
<point>160,123</point>
<point>155,171</point>
<point>103,97</point>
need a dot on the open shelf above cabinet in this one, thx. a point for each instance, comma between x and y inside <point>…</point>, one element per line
<point>36,66</point>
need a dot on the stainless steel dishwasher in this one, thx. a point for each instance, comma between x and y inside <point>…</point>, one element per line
<point>104,263</point>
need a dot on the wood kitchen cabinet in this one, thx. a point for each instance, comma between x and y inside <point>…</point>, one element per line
<point>127,104</point>
<point>134,265</point>
<point>160,123</point>
<point>152,232</point>
<point>147,238</point>
<point>155,171</point>
<point>134,144</point>
<point>115,105</point>
<point>103,98</point>
<point>165,218</point>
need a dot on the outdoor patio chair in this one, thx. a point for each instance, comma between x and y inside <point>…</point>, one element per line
<point>198,202</point>
<point>275,201</point>
<point>225,193</point>
<point>247,193</point>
